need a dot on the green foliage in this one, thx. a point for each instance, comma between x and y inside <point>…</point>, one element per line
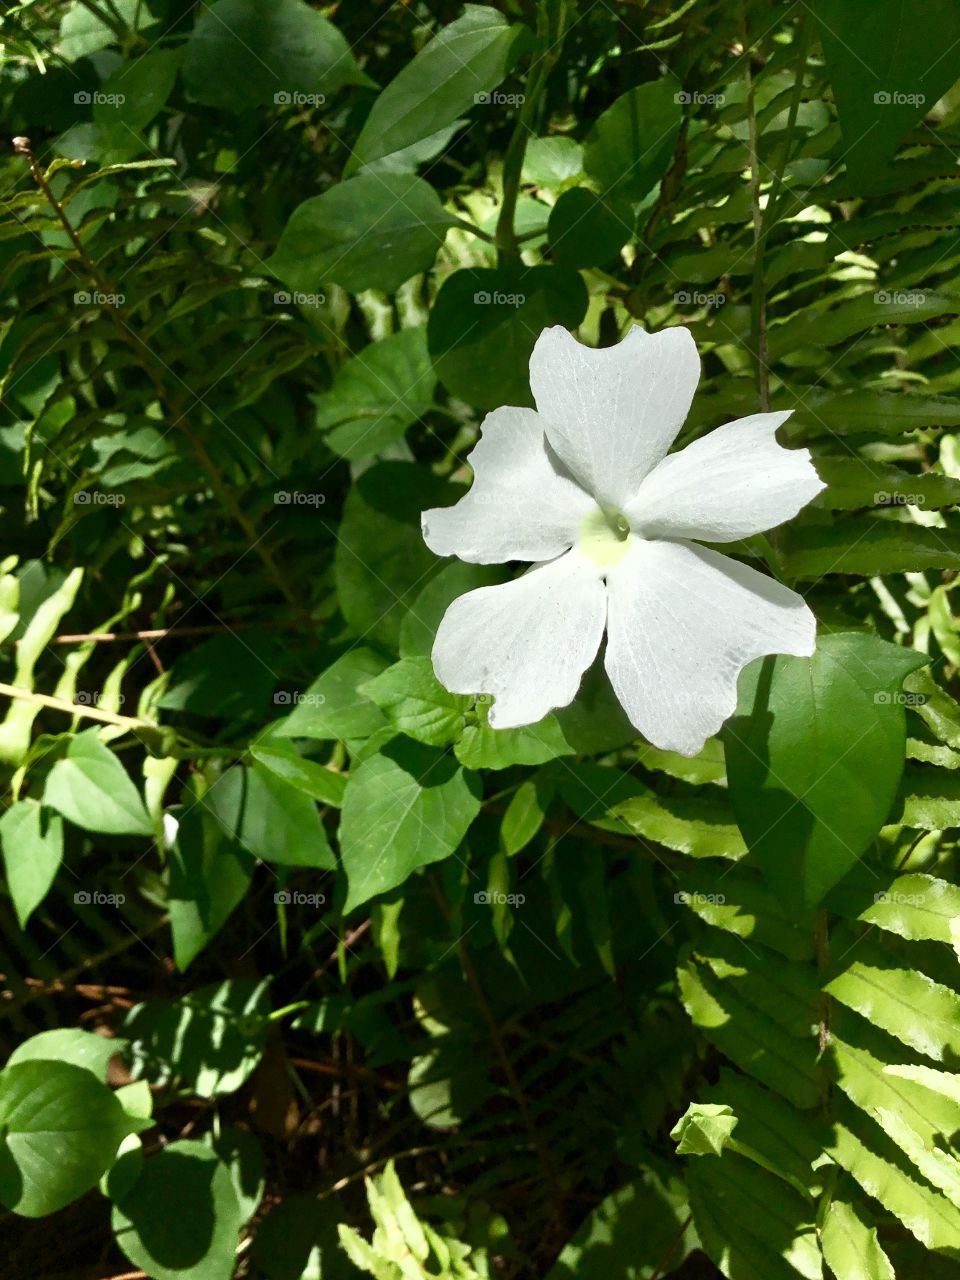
<point>603,1010</point>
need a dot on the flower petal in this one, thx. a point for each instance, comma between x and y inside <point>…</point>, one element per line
<point>527,642</point>
<point>731,483</point>
<point>612,414</point>
<point>683,622</point>
<point>519,507</point>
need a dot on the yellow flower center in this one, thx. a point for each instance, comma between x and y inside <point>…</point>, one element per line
<point>604,536</point>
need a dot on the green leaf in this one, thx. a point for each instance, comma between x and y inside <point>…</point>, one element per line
<point>922,1013</point>
<point>181,1219</point>
<point>382,561</point>
<point>141,87</point>
<point>416,703</point>
<point>313,779</point>
<point>243,54</point>
<point>814,758</point>
<point>91,788</point>
<point>60,1132</point>
<point>269,818</point>
<point>630,1233</point>
<point>466,59</point>
<point>71,1045</point>
<point>750,1223</point>
<point>867,546</point>
<point>377,395</point>
<point>850,1246</point>
<point>858,1146</point>
<point>32,852</point>
<point>210,1040</point>
<point>82,32</point>
<point>930,799</point>
<point>526,812</point>
<point>404,808</point>
<point>333,706</point>
<point>485,322</point>
<point>883,76</point>
<point>481,747</point>
<point>587,231</point>
<point>552,162</point>
<point>917,907</point>
<point>631,145</point>
<point>857,482</point>
<point>371,232</point>
<point>419,628</point>
<point>209,876</point>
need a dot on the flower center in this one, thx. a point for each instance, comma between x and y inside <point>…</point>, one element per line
<point>604,536</point>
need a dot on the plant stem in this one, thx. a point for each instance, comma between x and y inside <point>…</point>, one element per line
<point>76,709</point>
<point>758,300</point>
<point>148,362</point>
<point>550,46</point>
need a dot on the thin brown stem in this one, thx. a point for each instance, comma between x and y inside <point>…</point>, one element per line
<point>758,298</point>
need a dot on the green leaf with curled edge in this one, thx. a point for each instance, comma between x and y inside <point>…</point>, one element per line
<point>814,758</point>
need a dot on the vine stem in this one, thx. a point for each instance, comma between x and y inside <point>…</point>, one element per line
<point>669,1251</point>
<point>77,709</point>
<point>758,297</point>
<point>508,245</point>
<point>148,362</point>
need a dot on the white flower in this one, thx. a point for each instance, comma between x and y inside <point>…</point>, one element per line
<point>583,486</point>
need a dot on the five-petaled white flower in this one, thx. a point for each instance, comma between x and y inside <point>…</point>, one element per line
<point>583,486</point>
